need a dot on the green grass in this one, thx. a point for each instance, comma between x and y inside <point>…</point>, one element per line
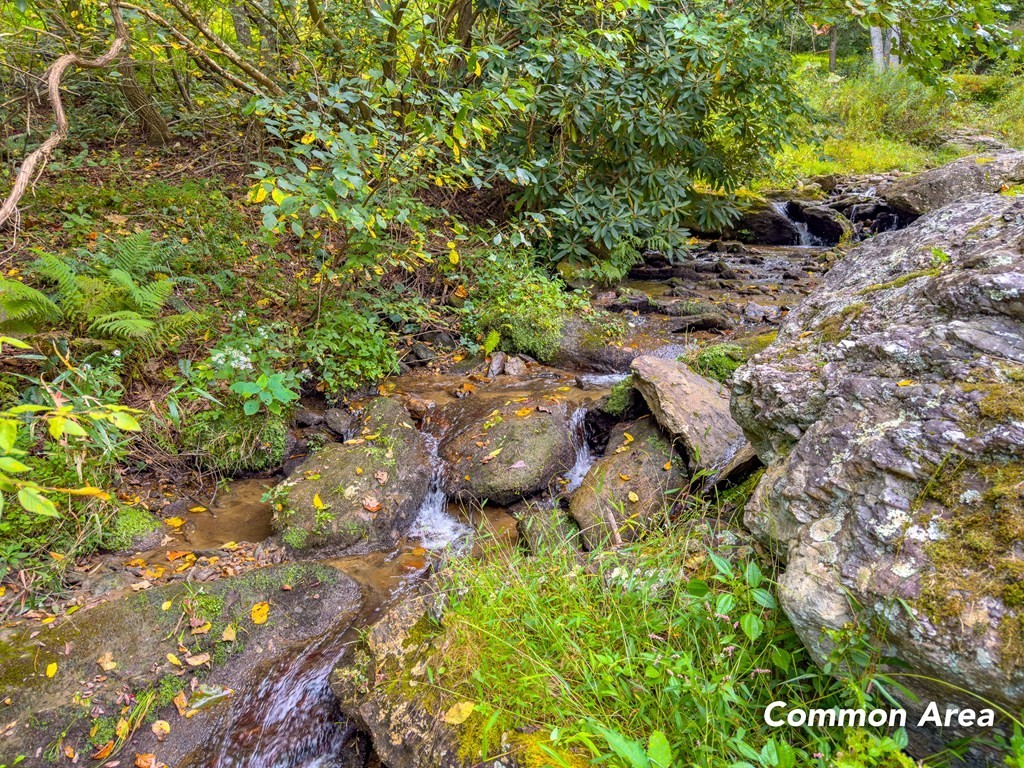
<point>662,638</point>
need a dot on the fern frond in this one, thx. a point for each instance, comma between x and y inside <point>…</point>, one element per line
<point>138,255</point>
<point>176,325</point>
<point>125,325</point>
<point>23,306</point>
<point>53,268</point>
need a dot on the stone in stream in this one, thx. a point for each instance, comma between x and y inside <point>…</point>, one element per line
<point>692,409</point>
<point>133,635</point>
<point>497,365</point>
<point>585,343</point>
<point>763,224</point>
<point>338,421</point>
<point>515,366</point>
<point>626,492</point>
<point>826,224</point>
<point>939,187</point>
<point>505,453</point>
<point>365,491</point>
<point>889,412</point>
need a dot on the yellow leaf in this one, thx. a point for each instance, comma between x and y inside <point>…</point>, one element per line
<point>160,729</point>
<point>318,502</point>
<point>228,635</point>
<point>175,522</point>
<point>260,611</point>
<point>121,729</point>
<point>198,660</point>
<point>261,194</point>
<point>202,629</point>
<point>106,662</point>
<point>48,620</point>
<point>104,752</point>
<point>197,509</point>
<point>459,713</point>
<point>174,659</point>
<point>906,383</point>
<point>309,138</point>
<point>624,478</point>
<point>668,465</point>
<point>633,497</point>
<point>524,411</point>
<point>628,438</point>
<point>51,669</point>
<point>453,257</point>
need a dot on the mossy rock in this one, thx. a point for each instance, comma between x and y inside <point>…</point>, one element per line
<point>228,441</point>
<point>507,453</point>
<point>627,491</point>
<point>365,491</point>
<point>131,529</point>
<point>139,633</point>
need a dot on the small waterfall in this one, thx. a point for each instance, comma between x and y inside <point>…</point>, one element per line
<point>804,233</point>
<point>584,458</point>
<point>433,526</point>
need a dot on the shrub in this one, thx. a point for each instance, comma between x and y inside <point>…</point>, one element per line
<point>230,441</point>
<point>347,349</point>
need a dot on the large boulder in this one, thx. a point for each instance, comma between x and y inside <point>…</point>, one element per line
<point>626,492</point>
<point>503,451</point>
<point>934,189</point>
<point>692,409</point>
<point>889,411</point>
<point>74,676</point>
<point>763,223</point>
<point>362,492</point>
<point>829,226</point>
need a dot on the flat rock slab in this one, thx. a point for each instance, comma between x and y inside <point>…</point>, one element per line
<point>692,409</point>
<point>939,187</point>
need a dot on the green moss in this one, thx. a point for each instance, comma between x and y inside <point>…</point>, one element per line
<point>720,361</point>
<point>229,441</point>
<point>1003,395</point>
<point>835,328</point>
<point>620,398</point>
<point>983,528</point>
<point>899,282</point>
<point>168,687</point>
<point>128,526</point>
<point>103,729</point>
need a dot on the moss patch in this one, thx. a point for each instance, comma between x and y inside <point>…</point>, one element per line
<point>720,361</point>
<point>229,441</point>
<point>128,526</point>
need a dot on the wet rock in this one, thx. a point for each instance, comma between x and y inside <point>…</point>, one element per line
<point>934,189</point>
<point>364,491</point>
<point>585,345</point>
<point>504,454</point>
<point>889,415</point>
<point>441,340</point>
<point>631,300</point>
<point>625,493</point>
<point>824,223</point>
<point>497,365</point>
<point>692,409</point>
<point>760,313</point>
<point>307,418</point>
<point>139,634</point>
<point>762,224</point>
<point>515,366</point>
<point>338,421</point>
<point>384,686</point>
<point>712,321</point>
<point>419,407</point>
<point>420,353</point>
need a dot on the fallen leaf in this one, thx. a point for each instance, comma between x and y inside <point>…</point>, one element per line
<point>106,662</point>
<point>459,713</point>
<point>104,752</point>
<point>318,502</point>
<point>906,383</point>
<point>202,629</point>
<point>139,586</point>
<point>177,554</point>
<point>174,659</point>
<point>51,669</point>
<point>175,522</point>
<point>181,703</point>
<point>197,509</point>
<point>229,634</point>
<point>371,503</point>
<point>627,437</point>
<point>166,605</point>
<point>524,411</point>
<point>121,729</point>
<point>381,476</point>
<point>624,478</point>
<point>668,465</point>
<point>160,729</point>
<point>69,752</point>
<point>519,465</point>
<point>147,760</point>
<point>633,497</point>
<point>260,611</point>
<point>198,660</point>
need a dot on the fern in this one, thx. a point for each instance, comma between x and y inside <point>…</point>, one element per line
<point>22,307</point>
<point>120,297</point>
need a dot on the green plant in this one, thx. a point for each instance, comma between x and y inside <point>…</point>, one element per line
<point>347,349</point>
<point>270,391</point>
<point>229,441</point>
<point>120,295</point>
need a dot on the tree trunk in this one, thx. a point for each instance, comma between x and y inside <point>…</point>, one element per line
<point>878,49</point>
<point>153,125</point>
<point>892,42</point>
<point>243,32</point>
<point>833,48</point>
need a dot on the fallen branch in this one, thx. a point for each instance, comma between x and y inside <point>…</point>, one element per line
<point>53,77</point>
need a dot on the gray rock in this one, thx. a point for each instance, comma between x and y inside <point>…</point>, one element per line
<point>338,421</point>
<point>625,492</point>
<point>515,366</point>
<point>934,189</point>
<point>497,364</point>
<point>364,491</point>
<point>692,409</point>
<point>308,418</point>
<point>828,225</point>
<point>762,224</point>
<point>495,454</point>
<point>889,412</point>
